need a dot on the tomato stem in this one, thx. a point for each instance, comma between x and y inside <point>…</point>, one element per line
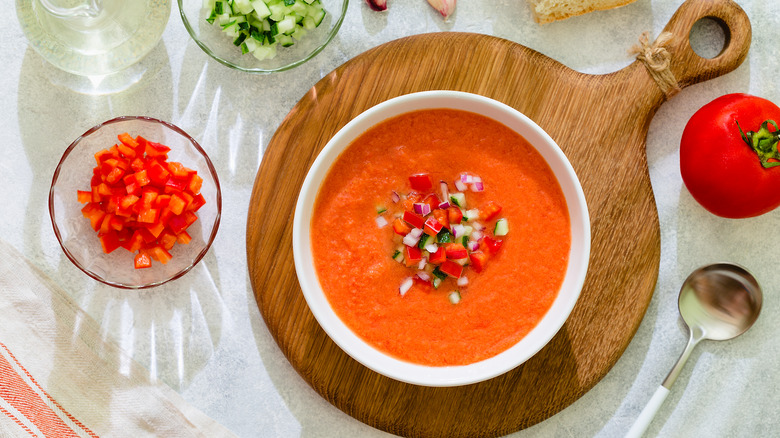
<point>764,143</point>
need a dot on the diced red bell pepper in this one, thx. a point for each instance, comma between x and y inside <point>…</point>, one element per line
<point>127,140</point>
<point>412,255</point>
<point>195,184</point>
<point>455,215</point>
<point>177,224</point>
<point>135,242</point>
<point>160,254</point>
<point>432,226</point>
<point>411,199</point>
<point>415,220</point>
<point>400,227</point>
<point>439,257</point>
<point>197,202</point>
<point>432,200</point>
<point>109,242</point>
<point>175,184</point>
<point>128,201</point>
<point>126,151</point>
<point>142,260</point>
<point>156,150</point>
<point>84,196</point>
<point>455,251</point>
<point>478,260</point>
<point>183,237</point>
<point>421,182</point>
<point>491,245</point>
<point>442,217</point>
<point>148,215</point>
<point>167,239</point>
<point>137,165</point>
<point>451,268</point>
<point>490,210</point>
<point>162,201</point>
<point>157,173</point>
<point>102,155</point>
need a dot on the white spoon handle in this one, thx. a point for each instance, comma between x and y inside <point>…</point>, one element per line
<point>640,426</point>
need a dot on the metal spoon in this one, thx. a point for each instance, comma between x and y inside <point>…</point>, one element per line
<point>717,302</point>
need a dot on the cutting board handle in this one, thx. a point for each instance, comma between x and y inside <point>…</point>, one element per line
<point>690,68</point>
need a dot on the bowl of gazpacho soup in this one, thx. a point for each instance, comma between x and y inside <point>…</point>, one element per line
<point>441,238</point>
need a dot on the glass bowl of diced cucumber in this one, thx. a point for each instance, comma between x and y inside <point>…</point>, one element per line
<point>262,36</point>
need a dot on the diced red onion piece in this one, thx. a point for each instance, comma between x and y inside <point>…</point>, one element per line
<point>422,263</point>
<point>458,230</point>
<point>431,248</point>
<point>381,221</point>
<point>477,186</point>
<point>460,185</point>
<point>416,232</point>
<point>473,245</point>
<point>462,281</point>
<point>395,197</point>
<point>405,285</point>
<point>445,190</point>
<point>476,235</point>
<point>444,205</point>
<point>422,208</point>
<point>466,178</point>
<point>424,276</point>
<point>477,226</point>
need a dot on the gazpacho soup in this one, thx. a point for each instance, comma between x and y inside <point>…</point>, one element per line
<point>440,237</point>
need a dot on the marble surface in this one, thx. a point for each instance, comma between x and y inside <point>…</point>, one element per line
<point>203,334</point>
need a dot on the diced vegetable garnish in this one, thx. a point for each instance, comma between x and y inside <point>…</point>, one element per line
<point>440,239</point>
<point>259,26</point>
<point>140,201</point>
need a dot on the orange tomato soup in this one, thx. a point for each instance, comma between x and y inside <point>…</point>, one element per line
<point>353,256</point>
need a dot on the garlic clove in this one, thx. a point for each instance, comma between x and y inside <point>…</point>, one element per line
<point>445,7</point>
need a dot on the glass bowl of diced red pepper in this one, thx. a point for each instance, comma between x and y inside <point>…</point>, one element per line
<point>135,202</point>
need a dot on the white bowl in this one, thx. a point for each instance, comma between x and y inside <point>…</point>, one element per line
<point>552,321</point>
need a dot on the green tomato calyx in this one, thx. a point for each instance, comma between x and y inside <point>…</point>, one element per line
<point>764,143</point>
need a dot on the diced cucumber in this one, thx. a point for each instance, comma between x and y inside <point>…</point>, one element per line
<point>444,236</point>
<point>459,199</point>
<point>269,23</point>
<point>398,256</point>
<point>502,227</point>
<point>436,282</point>
<point>425,239</point>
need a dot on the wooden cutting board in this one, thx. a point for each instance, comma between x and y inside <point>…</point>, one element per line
<point>600,122</point>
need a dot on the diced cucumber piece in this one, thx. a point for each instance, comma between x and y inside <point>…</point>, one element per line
<point>286,25</point>
<point>398,256</point>
<point>444,236</point>
<point>502,227</point>
<point>438,273</point>
<point>459,199</point>
<point>424,240</point>
<point>261,9</point>
<point>242,6</point>
<point>299,33</point>
<point>436,282</point>
<point>285,40</point>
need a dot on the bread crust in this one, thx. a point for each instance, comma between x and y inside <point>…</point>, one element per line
<point>548,11</point>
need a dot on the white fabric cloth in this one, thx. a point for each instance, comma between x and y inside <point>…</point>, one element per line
<point>59,378</point>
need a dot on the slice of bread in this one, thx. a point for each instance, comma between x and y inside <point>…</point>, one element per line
<point>547,11</point>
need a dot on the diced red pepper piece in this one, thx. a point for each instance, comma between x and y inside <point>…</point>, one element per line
<point>142,260</point>
<point>432,226</point>
<point>105,224</point>
<point>432,200</point>
<point>177,204</point>
<point>128,201</point>
<point>126,151</point>
<point>478,260</point>
<point>195,184</point>
<point>177,224</point>
<point>148,215</point>
<point>400,227</point>
<point>412,255</point>
<point>491,245</point>
<point>160,254</point>
<point>162,201</point>
<point>439,257</point>
<point>451,268</point>
<point>178,170</point>
<point>167,239</point>
<point>109,242</point>
<point>156,229</point>
<point>197,202</point>
<point>415,220</point>
<point>175,184</point>
<point>421,182</point>
<point>127,140</point>
<point>135,242</point>
<point>183,237</point>
<point>137,164</point>
<point>102,155</point>
<point>490,210</point>
<point>442,217</point>
<point>84,196</point>
<point>157,173</point>
<point>156,150</point>
<point>455,215</point>
<point>455,251</point>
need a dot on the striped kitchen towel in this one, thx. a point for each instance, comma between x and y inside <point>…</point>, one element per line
<point>59,378</point>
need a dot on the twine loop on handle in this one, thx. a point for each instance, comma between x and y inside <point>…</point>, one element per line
<point>657,60</point>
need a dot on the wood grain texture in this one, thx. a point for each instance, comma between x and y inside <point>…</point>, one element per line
<point>600,122</point>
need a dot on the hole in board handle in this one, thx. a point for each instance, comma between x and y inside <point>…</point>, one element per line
<point>709,37</point>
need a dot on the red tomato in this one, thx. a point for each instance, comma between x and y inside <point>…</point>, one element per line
<point>720,169</point>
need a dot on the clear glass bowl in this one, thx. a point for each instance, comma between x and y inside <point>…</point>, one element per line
<point>80,242</point>
<point>219,46</point>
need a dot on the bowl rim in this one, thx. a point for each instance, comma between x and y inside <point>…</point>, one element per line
<point>445,376</point>
<point>259,70</point>
<point>211,169</point>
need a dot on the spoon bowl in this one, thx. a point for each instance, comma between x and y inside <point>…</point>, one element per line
<point>717,302</point>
